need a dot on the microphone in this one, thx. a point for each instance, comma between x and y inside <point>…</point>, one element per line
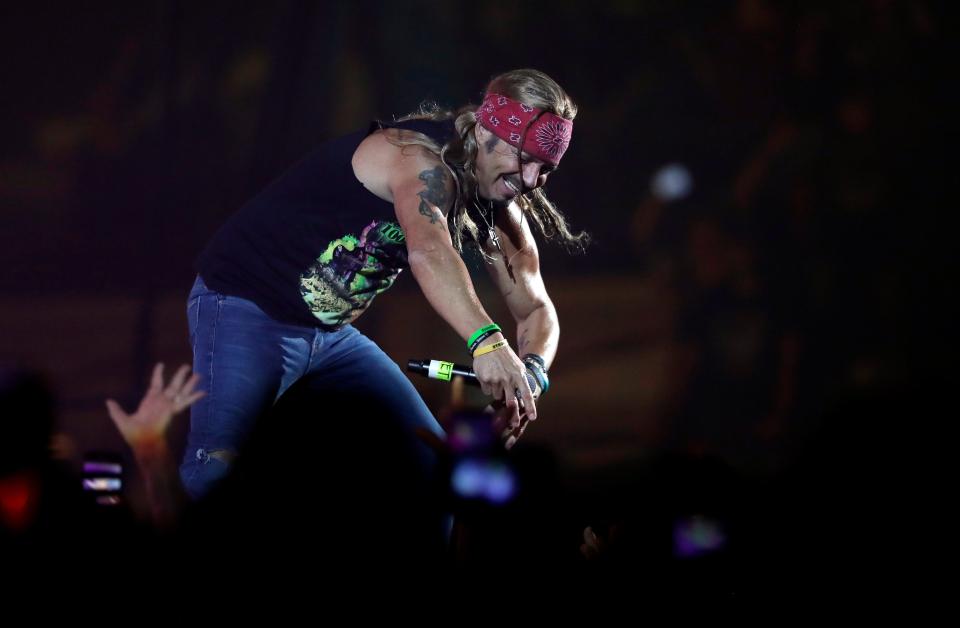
<point>444,371</point>
<point>437,369</point>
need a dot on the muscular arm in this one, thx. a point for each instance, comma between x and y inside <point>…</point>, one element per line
<point>538,329</point>
<point>422,191</point>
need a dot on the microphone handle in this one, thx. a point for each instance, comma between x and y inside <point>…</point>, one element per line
<point>438,369</point>
<point>444,371</point>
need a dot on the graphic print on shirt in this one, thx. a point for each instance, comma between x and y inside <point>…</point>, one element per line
<point>339,286</point>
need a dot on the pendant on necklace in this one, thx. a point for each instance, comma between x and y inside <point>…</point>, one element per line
<point>496,240</point>
<point>503,256</point>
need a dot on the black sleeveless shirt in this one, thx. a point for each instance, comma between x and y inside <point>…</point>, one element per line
<point>315,246</point>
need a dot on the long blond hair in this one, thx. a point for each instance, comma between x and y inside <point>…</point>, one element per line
<point>459,154</point>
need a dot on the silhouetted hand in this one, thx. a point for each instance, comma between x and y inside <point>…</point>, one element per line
<point>157,408</point>
<point>593,546</point>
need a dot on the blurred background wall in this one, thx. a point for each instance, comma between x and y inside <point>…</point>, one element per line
<point>762,180</point>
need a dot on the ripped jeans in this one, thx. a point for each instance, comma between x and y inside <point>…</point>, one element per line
<point>247,361</point>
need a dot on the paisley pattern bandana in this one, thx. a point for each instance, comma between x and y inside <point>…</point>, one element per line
<point>540,133</point>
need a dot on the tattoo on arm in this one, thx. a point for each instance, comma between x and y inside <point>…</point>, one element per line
<point>436,193</point>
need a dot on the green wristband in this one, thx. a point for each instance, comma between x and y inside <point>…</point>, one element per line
<point>491,327</point>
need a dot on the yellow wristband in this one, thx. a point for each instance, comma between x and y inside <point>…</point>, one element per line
<point>497,345</point>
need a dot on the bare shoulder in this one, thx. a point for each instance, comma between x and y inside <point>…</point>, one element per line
<point>387,168</point>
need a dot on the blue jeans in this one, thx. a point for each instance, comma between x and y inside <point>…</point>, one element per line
<point>247,360</point>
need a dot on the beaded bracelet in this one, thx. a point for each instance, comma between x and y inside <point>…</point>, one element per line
<point>539,373</point>
<point>536,358</point>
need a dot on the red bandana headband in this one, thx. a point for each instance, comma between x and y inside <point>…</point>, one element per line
<point>546,138</point>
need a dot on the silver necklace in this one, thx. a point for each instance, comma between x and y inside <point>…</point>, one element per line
<point>496,239</point>
<point>491,232</point>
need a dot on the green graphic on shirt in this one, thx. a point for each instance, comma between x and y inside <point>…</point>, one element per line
<point>391,232</point>
<point>343,280</point>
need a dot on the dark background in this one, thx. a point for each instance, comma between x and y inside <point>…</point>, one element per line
<point>791,299</point>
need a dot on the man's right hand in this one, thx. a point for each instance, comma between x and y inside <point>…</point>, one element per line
<point>502,375</point>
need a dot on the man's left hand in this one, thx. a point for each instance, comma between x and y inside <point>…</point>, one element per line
<point>508,421</point>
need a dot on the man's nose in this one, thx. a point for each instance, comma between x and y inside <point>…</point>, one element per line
<point>531,173</point>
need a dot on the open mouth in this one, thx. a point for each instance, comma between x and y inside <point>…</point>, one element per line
<point>511,186</point>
